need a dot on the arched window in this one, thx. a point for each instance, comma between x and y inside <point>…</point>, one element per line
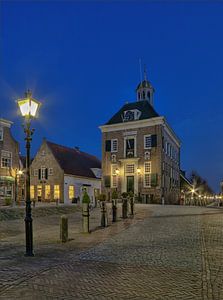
<point>148,94</point>
<point>113,158</point>
<point>143,95</point>
<point>138,95</point>
<point>147,155</point>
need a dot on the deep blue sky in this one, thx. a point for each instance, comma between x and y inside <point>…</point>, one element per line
<point>81,60</point>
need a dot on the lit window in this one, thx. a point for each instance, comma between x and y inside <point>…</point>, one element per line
<point>130,168</point>
<point>39,192</point>
<point>47,192</point>
<point>1,134</point>
<point>71,192</point>
<point>32,192</point>
<point>6,160</point>
<point>56,192</point>
<point>147,141</point>
<point>114,176</point>
<point>114,145</point>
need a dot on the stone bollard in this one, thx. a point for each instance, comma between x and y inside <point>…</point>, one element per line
<point>114,211</point>
<point>104,220</point>
<point>125,208</point>
<point>64,229</point>
<point>132,206</point>
<point>85,214</point>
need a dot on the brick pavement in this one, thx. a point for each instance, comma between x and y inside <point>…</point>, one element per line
<point>166,252</point>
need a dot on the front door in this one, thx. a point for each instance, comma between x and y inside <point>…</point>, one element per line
<point>130,184</point>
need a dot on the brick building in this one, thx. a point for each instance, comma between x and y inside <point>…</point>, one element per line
<point>140,151</point>
<point>59,173</point>
<point>10,163</point>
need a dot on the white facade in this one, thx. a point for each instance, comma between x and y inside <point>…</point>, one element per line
<point>90,185</point>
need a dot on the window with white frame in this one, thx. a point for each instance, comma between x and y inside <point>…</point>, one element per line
<point>35,172</point>
<point>147,180</point>
<point>114,145</point>
<point>130,169</point>
<point>130,150</point>
<point>1,133</point>
<point>147,174</point>
<point>6,159</point>
<point>114,176</point>
<point>43,173</point>
<point>147,141</point>
<point>147,167</point>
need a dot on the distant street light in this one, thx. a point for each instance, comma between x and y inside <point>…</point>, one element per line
<point>29,109</point>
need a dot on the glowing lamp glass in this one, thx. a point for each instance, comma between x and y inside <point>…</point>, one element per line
<point>28,107</point>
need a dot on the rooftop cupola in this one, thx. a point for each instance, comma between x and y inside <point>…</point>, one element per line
<point>145,90</point>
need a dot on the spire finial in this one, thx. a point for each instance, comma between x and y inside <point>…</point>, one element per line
<point>145,72</point>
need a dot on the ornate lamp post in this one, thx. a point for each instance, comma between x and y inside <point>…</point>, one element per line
<point>29,109</point>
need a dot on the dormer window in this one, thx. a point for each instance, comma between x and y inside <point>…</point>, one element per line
<point>1,133</point>
<point>131,115</point>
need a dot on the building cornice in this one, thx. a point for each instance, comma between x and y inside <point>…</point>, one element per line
<point>131,125</point>
<point>82,177</point>
<point>140,124</point>
<point>6,123</point>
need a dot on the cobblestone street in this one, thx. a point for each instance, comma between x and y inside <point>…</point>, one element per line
<point>165,252</point>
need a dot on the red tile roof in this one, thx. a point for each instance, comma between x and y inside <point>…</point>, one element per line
<point>74,161</point>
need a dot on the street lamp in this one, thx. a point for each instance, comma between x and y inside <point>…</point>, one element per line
<point>29,109</point>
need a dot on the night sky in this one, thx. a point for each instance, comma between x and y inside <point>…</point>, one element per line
<point>81,60</point>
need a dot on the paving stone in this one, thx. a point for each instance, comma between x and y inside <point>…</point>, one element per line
<point>165,252</point>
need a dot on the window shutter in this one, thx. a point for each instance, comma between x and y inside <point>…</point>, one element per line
<point>107,181</point>
<point>46,173</point>
<point>154,140</point>
<point>154,179</point>
<point>39,174</point>
<point>108,145</point>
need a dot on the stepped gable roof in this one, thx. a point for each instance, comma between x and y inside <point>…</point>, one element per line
<point>74,161</point>
<point>147,112</point>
